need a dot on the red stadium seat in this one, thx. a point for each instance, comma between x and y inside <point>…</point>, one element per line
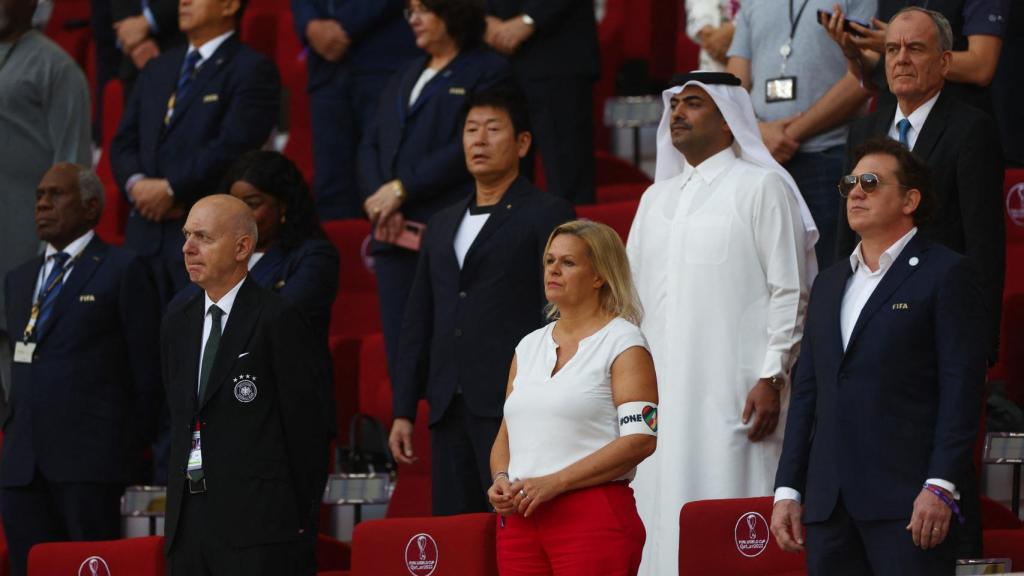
<point>732,537</point>
<point>618,215</point>
<point>4,567</point>
<point>413,487</point>
<point>135,556</point>
<point>345,362</point>
<point>115,213</point>
<point>451,545</point>
<point>332,554</point>
<point>1012,343</point>
<point>356,311</point>
<point>1005,544</point>
<point>1013,186</point>
<point>614,170</point>
<point>995,516</point>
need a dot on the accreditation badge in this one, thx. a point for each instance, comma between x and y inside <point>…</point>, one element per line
<point>24,351</point>
<point>195,456</point>
<point>781,89</point>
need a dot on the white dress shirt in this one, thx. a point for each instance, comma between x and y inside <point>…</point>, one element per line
<point>917,119</point>
<point>859,288</point>
<point>225,303</point>
<point>73,250</point>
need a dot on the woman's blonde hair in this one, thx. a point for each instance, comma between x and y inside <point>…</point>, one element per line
<point>618,296</point>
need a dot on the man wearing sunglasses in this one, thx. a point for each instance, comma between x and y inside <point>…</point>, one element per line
<point>887,393</point>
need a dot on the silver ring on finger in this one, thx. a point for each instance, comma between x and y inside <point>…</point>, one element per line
<point>523,493</point>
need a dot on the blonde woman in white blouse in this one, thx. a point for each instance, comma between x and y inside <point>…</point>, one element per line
<point>580,414</point>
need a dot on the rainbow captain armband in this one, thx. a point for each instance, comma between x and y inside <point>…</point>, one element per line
<point>638,418</point>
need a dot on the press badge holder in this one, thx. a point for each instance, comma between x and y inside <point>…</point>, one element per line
<point>195,456</point>
<point>24,351</point>
<point>782,88</point>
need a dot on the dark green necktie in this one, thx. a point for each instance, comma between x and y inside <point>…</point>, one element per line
<point>210,350</point>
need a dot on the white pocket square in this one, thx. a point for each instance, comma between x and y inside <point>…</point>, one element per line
<point>243,354</point>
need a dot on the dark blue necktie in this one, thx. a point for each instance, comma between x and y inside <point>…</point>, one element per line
<point>188,71</point>
<point>51,288</point>
<point>904,127</point>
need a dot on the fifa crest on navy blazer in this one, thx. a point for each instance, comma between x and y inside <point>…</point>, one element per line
<point>901,306</point>
<point>245,388</point>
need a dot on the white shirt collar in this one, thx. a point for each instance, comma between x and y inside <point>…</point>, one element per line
<point>74,248</point>
<point>712,167</point>
<point>917,117</point>
<point>207,49</point>
<point>887,258</point>
<point>226,301</point>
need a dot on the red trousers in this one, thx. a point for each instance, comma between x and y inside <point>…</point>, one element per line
<point>590,532</point>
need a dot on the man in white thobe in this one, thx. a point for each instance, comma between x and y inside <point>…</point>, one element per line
<point>722,251</point>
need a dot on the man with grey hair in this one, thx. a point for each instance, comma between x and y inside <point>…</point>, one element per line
<point>240,371</point>
<point>85,318</point>
<point>960,145</point>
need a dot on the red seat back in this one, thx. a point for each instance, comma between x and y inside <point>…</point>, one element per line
<point>1013,186</point>
<point>995,516</point>
<point>135,556</point>
<point>115,212</point>
<point>356,311</point>
<point>618,215</point>
<point>451,545</point>
<point>1005,544</point>
<point>731,537</point>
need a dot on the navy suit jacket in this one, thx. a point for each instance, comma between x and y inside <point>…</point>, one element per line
<point>564,41</point>
<point>381,38</point>
<point>422,145</point>
<point>264,457</point>
<point>230,108</point>
<point>85,406</point>
<point>902,403</point>
<point>462,326</point>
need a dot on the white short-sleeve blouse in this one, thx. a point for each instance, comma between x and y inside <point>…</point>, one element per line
<point>555,421</point>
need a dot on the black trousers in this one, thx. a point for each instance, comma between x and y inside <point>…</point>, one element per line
<point>563,131</point>
<point>842,546</point>
<point>56,512</point>
<point>460,472</point>
<point>200,549</point>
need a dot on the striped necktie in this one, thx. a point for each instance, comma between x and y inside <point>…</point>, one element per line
<point>51,287</point>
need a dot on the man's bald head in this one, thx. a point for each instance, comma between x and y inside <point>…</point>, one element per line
<point>220,234</point>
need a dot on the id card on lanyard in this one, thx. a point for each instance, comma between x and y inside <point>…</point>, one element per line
<point>195,455</point>
<point>24,350</point>
<point>783,88</point>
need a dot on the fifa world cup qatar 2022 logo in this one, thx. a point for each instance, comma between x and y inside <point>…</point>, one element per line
<point>421,555</point>
<point>94,566</point>
<point>751,534</point>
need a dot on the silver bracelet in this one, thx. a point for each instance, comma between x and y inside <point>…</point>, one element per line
<point>498,475</point>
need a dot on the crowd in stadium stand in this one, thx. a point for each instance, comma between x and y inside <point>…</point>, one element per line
<point>191,191</point>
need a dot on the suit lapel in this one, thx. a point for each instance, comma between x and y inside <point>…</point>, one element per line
<point>450,228</point>
<point>412,74</point>
<point>84,268</point>
<point>267,272</point>
<point>834,292</point>
<point>934,126</point>
<point>237,333</point>
<point>193,343</point>
<point>509,203</point>
<point>893,279</point>
<point>883,120</point>
<point>438,84</point>
<point>207,70</point>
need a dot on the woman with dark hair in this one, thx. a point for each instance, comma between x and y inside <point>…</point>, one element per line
<point>293,256</point>
<point>411,160</point>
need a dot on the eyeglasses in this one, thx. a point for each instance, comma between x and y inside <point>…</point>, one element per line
<point>869,182</point>
<point>410,12</point>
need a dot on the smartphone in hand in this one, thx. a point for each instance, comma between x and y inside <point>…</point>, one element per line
<point>847,27</point>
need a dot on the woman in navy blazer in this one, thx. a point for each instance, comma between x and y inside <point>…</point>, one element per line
<point>411,161</point>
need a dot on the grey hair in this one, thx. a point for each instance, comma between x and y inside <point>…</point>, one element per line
<point>90,186</point>
<point>942,27</point>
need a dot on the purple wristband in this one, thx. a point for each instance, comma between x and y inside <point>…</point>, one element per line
<point>941,494</point>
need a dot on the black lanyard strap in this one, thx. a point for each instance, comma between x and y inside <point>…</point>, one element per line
<point>794,22</point>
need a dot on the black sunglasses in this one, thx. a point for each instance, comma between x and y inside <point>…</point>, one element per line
<point>869,181</point>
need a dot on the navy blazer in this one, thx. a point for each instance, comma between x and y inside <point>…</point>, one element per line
<point>960,144</point>
<point>564,41</point>
<point>462,326</point>
<point>230,108</point>
<point>381,38</point>
<point>84,408</point>
<point>422,145</point>
<point>901,405</point>
<point>265,454</point>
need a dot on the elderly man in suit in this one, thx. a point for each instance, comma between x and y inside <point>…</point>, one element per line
<point>885,403</point>
<point>195,110</point>
<point>85,373</point>
<point>248,437</point>
<point>478,290</point>
<point>959,143</point>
